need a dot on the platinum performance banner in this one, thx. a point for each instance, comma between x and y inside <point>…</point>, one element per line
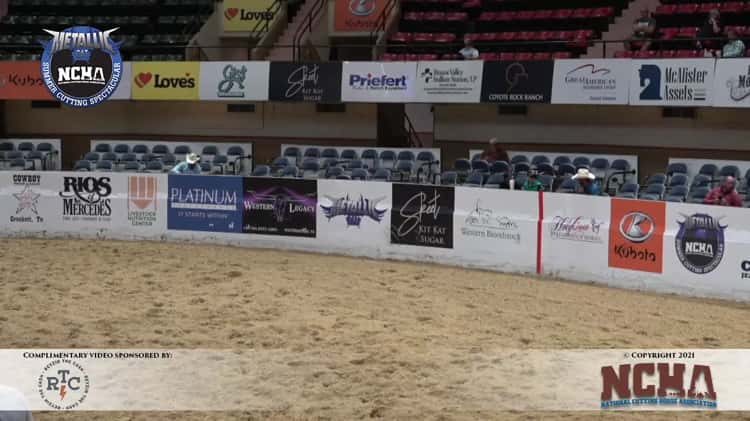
<point>271,380</point>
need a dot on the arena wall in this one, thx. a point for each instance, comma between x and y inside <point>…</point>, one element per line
<point>655,246</point>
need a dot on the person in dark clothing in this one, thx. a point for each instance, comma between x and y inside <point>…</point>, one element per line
<point>495,152</point>
<point>712,28</point>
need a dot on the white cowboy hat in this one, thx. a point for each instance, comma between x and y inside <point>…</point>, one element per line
<point>494,141</point>
<point>583,173</point>
<point>192,158</point>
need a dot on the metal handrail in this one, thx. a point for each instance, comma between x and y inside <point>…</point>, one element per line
<point>382,19</point>
<point>414,140</point>
<point>306,27</point>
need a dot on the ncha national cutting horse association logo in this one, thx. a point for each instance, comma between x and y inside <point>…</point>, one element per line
<point>81,65</point>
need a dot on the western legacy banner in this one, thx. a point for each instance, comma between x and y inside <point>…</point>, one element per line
<point>422,215</point>
<point>305,82</point>
<point>22,80</point>
<point>234,80</point>
<point>279,206</point>
<point>370,81</point>
<point>732,83</point>
<point>449,81</point>
<point>247,15</point>
<point>357,15</point>
<point>596,81</point>
<point>517,82</point>
<point>173,80</point>
<point>672,82</point>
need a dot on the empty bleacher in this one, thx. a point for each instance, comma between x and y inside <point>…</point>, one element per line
<point>29,154</point>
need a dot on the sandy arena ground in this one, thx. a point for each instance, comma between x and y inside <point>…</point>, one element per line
<point>142,295</point>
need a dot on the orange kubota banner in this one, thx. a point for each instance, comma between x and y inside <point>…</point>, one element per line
<point>22,80</point>
<point>636,232</point>
<point>357,15</point>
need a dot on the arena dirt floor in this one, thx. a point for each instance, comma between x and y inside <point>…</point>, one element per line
<point>143,294</point>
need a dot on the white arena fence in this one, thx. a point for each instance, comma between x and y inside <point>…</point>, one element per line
<point>656,246</point>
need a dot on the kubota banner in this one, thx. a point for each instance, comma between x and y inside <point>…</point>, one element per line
<point>22,80</point>
<point>166,80</point>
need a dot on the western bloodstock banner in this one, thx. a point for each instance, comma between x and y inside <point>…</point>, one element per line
<point>596,81</point>
<point>234,80</point>
<point>732,83</point>
<point>517,82</point>
<point>449,81</point>
<point>672,82</point>
<point>305,82</point>
<point>370,81</point>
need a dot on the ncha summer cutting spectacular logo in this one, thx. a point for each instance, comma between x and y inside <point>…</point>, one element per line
<point>81,65</point>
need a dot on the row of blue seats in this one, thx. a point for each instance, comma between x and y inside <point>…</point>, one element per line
<point>166,159</point>
<point>562,165</point>
<point>350,154</point>
<point>25,147</point>
<point>154,166</point>
<point>162,149</point>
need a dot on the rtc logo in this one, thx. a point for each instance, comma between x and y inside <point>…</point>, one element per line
<point>635,235</point>
<point>144,78</point>
<point>63,384</point>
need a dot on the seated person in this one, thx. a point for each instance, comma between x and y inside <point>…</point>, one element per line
<point>712,28</point>
<point>734,46</point>
<point>495,152</point>
<point>644,29</point>
<point>725,194</point>
<point>191,165</point>
<point>532,183</point>
<point>469,52</point>
<point>587,183</point>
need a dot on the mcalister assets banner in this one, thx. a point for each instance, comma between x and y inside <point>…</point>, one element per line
<point>672,82</point>
<point>247,15</point>
<point>173,80</point>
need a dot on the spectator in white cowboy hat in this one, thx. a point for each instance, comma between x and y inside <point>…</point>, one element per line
<point>191,165</point>
<point>587,182</point>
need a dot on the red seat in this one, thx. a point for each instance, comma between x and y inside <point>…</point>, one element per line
<point>505,16</point>
<point>687,9</point>
<point>525,35</point>
<point>687,53</point>
<point>666,9</point>
<point>488,36</point>
<point>413,16</point>
<point>471,36</point>
<point>423,37</point>
<point>434,16</point>
<point>507,56</point>
<point>740,30</point>
<point>428,57</point>
<point>646,54</point>
<point>564,35</point>
<point>688,32</point>
<point>562,54</point>
<point>669,33</point>
<point>545,35</point>
<point>412,57</point>
<point>562,13</point>
<point>389,57</point>
<point>401,37</point>
<point>506,36</point>
<point>542,56</point>
<point>542,14</point>
<point>456,17</point>
<point>472,4</point>
<point>623,54</point>
<point>733,7</point>
<point>603,12</point>
<point>583,33</point>
<point>581,13</point>
<point>667,54</point>
<point>450,57</point>
<point>447,38</point>
<point>524,56</point>
<point>487,16</point>
<point>707,7</point>
<point>488,56</point>
<point>525,15</point>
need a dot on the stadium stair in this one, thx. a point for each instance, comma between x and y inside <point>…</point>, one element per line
<point>620,29</point>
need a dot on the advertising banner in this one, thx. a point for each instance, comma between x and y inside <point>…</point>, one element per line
<point>706,249</point>
<point>202,203</point>
<point>125,87</point>
<point>174,80</point>
<point>247,15</point>
<point>279,206</point>
<point>732,83</point>
<point>517,82</point>
<point>145,204</point>
<point>30,201</point>
<point>234,80</point>
<point>636,235</point>
<point>595,81</point>
<point>357,15</point>
<point>369,81</point>
<point>672,82</point>
<point>497,228</point>
<point>305,82</point>
<point>354,214</point>
<point>449,81</point>
<point>575,234</point>
<point>422,215</point>
<point>22,80</point>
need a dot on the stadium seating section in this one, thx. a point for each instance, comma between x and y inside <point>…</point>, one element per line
<point>500,29</point>
<point>29,154</point>
<point>149,29</point>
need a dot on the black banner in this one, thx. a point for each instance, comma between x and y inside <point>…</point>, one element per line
<point>307,82</point>
<point>517,82</point>
<point>422,215</point>
<point>279,206</point>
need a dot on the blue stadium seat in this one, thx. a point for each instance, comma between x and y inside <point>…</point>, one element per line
<point>677,194</point>
<point>388,159</point>
<point>657,178</point>
<point>7,146</point>
<point>462,167</point>
<point>730,170</point>
<point>235,151</point>
<point>600,164</point>
<point>518,158</point>
<point>220,160</point>
<point>546,180</point>
<point>349,154</point>
<point>620,165</point>
<point>676,168</point>
<point>697,195</point>
<point>92,156</point>
<point>709,170</point>
<point>210,150</point>
<point>355,163</point>
<point>13,155</point>
<point>25,147</point>
<point>18,164</point>
<point>329,153</point>
<point>148,157</point>
<point>448,178</point>
<point>132,166</point>
<point>425,156</point>
<point>360,174</point>
<point>169,160</point>
<point>155,166</point>
<point>122,148</point>
<point>545,168</point>
<point>104,166</point>
<point>128,157</point>
<point>495,180</point>
<point>290,171</point>
<point>561,160</point>
<point>140,149</point>
<point>568,185</point>
<point>292,153</point>
<point>182,150</point>
<point>82,165</point>
<point>44,147</point>
<point>476,156</point>
<point>382,174</point>
<point>521,167</point>
<point>404,169</point>
<point>405,156</point>
<point>475,179</point>
<point>654,191</point>
<point>500,167</point>
<point>581,162</point>
<point>103,147</point>
<point>628,191</point>
<point>700,180</point>
<point>310,168</point>
<point>160,149</point>
<point>480,165</point>
<point>333,172</point>
<point>312,153</point>
<point>539,159</point>
<point>520,179</point>
<point>109,156</point>
<point>369,156</point>
<point>678,180</point>
<point>36,159</point>
<point>566,169</point>
<point>279,164</point>
<point>261,171</point>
